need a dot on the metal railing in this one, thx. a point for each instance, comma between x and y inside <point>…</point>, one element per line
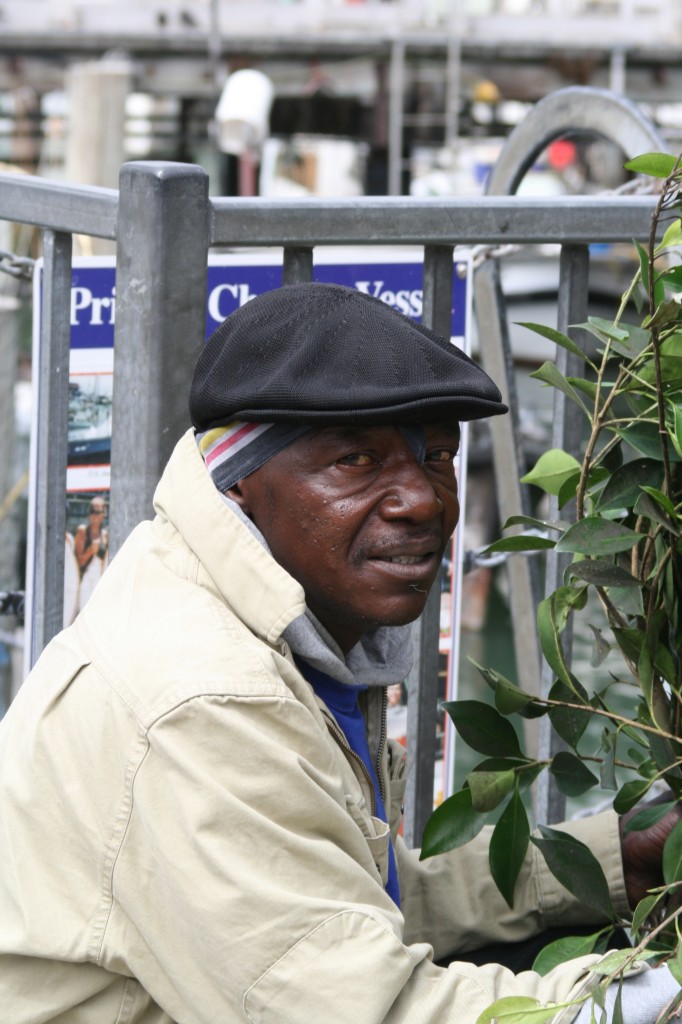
<point>164,224</point>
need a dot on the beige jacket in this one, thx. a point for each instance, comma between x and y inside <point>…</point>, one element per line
<point>182,838</point>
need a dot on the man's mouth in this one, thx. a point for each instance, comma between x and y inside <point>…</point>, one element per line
<point>406,559</point>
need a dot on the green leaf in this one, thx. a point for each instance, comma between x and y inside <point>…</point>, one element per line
<point>659,292</point>
<point>602,573</point>
<point>519,1010</point>
<point>607,768</point>
<point>576,868</point>
<point>488,789</point>
<point>452,824</point>
<point>572,776</point>
<point>569,723</point>
<point>625,486</point>
<point>601,647</point>
<point>665,755</point>
<point>551,470</point>
<point>672,236</point>
<point>483,728</point>
<point>550,639</point>
<point>676,434</point>
<point>623,338</point>
<point>568,599</point>
<point>508,697</point>
<point>655,165</point>
<point>596,536</point>
<point>628,600</point>
<point>608,328</point>
<point>538,524</point>
<point>630,641</point>
<point>644,909</point>
<point>630,794</point>
<point>508,846</point>
<point>674,965</point>
<point>519,542</point>
<point>650,507</point>
<point>647,817</point>
<point>568,489</point>
<point>526,771</point>
<point>665,314</point>
<point>617,959</point>
<point>661,499</point>
<point>549,373</point>
<point>561,950</point>
<point>644,438</point>
<point>672,856</point>
<point>556,336</point>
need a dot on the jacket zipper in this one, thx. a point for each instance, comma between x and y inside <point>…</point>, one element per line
<point>338,735</point>
<point>382,744</point>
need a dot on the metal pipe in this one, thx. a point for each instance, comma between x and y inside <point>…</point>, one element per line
<point>47,518</point>
<point>161,281</point>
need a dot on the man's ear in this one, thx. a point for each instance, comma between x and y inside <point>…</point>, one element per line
<point>236,494</point>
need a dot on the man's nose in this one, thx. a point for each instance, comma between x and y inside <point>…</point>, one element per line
<point>411,495</point>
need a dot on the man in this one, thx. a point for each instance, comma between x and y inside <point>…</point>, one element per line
<point>199,806</point>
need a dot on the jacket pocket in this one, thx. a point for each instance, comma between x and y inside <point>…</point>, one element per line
<point>376,834</point>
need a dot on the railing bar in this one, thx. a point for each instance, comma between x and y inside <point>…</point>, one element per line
<point>48,519</point>
<point>48,204</point>
<point>160,327</point>
<point>488,220</point>
<point>297,267</point>
<point>396,100</point>
<point>550,804</point>
<point>423,681</point>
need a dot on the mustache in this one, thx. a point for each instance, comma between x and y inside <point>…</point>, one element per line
<point>424,539</point>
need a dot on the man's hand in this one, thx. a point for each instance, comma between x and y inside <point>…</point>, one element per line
<point>642,851</point>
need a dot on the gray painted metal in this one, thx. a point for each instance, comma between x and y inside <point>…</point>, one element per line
<point>509,463</point>
<point>73,209</point>
<point>297,266</point>
<point>423,681</point>
<point>160,326</point>
<point>494,220</point>
<point>550,803</point>
<point>46,580</point>
<point>396,93</point>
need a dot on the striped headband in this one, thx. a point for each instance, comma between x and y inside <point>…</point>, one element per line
<point>237,449</point>
<point>234,451</point>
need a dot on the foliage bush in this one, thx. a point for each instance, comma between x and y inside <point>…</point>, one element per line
<point>626,549</point>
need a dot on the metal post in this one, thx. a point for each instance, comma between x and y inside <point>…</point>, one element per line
<point>47,522</point>
<point>422,684</point>
<point>508,460</point>
<point>566,434</point>
<point>163,237</point>
<point>396,100</point>
<point>298,264</point>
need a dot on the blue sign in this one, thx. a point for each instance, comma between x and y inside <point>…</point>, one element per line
<point>232,281</point>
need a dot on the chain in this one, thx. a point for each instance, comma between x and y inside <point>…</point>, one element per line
<point>16,266</point>
<point>12,602</point>
<point>478,559</point>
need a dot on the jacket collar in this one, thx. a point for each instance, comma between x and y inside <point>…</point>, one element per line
<point>265,596</point>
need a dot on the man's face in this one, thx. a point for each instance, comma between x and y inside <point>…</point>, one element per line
<point>352,514</point>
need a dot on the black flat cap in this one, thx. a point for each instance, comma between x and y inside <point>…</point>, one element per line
<point>322,353</point>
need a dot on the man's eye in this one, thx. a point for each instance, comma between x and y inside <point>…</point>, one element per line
<point>443,455</point>
<point>357,459</point>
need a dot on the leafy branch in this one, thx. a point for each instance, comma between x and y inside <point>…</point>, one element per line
<point>624,584</point>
